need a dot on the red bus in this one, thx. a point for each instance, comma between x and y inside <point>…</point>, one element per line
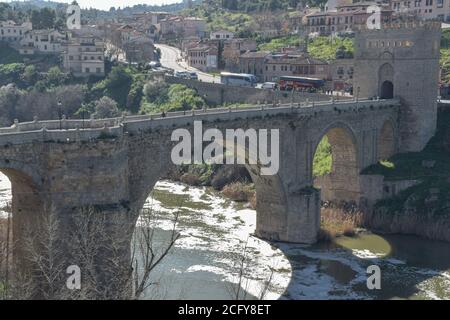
<point>289,83</point>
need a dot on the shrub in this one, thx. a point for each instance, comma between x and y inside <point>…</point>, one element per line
<point>190,179</point>
<point>238,191</point>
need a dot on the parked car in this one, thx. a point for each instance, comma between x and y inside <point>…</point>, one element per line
<point>193,76</point>
<point>181,74</point>
<point>154,64</point>
<point>268,85</point>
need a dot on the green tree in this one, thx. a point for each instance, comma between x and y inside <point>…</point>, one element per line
<point>4,10</point>
<point>117,85</point>
<point>106,108</point>
<point>55,77</point>
<point>30,75</point>
<point>135,95</point>
<point>323,159</point>
<point>183,98</point>
<point>11,73</point>
<point>9,96</point>
<point>43,19</point>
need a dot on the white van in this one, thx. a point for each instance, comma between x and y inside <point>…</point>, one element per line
<point>269,85</point>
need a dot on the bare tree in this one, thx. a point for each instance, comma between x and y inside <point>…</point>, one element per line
<point>145,256</point>
<point>239,289</point>
<point>5,252</point>
<point>98,243</point>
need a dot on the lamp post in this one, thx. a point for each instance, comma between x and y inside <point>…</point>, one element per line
<point>60,114</point>
<point>82,115</point>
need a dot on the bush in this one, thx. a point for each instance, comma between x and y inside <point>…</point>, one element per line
<point>190,179</point>
<point>106,108</point>
<point>238,191</point>
<point>339,220</point>
<point>117,85</point>
<point>11,73</point>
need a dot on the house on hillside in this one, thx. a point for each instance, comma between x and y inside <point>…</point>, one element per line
<point>84,57</point>
<point>42,41</point>
<point>12,32</point>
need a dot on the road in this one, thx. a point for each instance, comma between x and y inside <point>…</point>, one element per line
<point>171,58</point>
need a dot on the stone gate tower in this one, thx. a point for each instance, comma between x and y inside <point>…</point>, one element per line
<point>401,60</point>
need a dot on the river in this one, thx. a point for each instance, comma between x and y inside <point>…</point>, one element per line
<point>216,234</point>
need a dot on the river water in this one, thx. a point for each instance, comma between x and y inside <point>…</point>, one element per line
<point>216,246</point>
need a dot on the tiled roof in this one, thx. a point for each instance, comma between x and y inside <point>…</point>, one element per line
<point>255,54</point>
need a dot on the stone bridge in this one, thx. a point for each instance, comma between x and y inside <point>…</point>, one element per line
<point>60,168</point>
<point>63,167</point>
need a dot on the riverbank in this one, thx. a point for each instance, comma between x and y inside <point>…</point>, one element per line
<point>234,182</point>
<point>424,225</point>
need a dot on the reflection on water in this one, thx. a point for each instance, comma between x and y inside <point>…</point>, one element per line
<point>204,262</point>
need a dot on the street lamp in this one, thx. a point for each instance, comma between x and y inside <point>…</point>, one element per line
<point>60,114</point>
<point>82,116</point>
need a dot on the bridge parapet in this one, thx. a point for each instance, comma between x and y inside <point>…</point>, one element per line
<point>70,135</point>
<point>84,130</point>
<point>63,124</point>
<point>180,119</point>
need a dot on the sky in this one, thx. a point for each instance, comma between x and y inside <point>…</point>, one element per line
<point>106,4</point>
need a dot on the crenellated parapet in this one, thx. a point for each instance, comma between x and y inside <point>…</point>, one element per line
<point>412,25</point>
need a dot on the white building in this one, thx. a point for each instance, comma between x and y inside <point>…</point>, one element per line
<point>179,26</point>
<point>12,32</point>
<point>84,57</point>
<point>221,35</point>
<point>203,57</point>
<point>426,9</point>
<point>42,41</point>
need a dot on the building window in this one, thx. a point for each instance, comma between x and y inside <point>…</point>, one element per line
<point>99,70</point>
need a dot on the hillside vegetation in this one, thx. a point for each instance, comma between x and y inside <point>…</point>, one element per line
<point>430,166</point>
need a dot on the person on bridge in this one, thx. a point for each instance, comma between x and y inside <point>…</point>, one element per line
<point>163,114</point>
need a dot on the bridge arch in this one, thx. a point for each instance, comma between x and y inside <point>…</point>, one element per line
<point>27,207</point>
<point>342,183</point>
<point>271,200</point>
<point>13,168</point>
<point>386,141</point>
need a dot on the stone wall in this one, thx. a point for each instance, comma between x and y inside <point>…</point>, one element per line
<point>219,94</point>
<point>375,188</point>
